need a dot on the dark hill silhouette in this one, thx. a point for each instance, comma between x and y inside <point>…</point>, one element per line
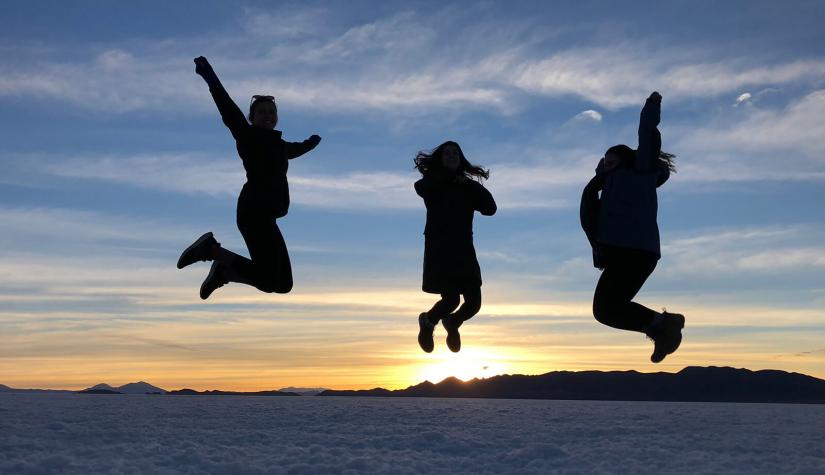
<point>7,389</point>
<point>98,391</point>
<point>216,392</point>
<point>695,384</point>
<point>141,387</point>
<point>303,391</point>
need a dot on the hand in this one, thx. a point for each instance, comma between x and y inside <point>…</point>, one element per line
<point>655,96</point>
<point>203,68</point>
<point>315,140</point>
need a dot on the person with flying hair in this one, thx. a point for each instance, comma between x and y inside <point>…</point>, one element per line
<point>621,225</point>
<point>452,195</point>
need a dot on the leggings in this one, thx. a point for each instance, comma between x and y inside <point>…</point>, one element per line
<point>269,269</point>
<point>449,302</point>
<point>625,271</point>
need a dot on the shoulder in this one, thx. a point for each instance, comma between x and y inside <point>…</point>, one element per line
<point>473,184</point>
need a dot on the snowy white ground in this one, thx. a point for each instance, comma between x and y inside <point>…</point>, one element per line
<point>315,435</point>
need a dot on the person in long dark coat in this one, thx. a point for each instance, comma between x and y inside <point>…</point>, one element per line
<point>624,235</point>
<point>263,199</point>
<point>451,268</point>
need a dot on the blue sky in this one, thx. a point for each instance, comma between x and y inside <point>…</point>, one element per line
<point>114,159</point>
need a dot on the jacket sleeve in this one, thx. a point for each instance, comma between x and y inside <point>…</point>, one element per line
<point>231,114</point>
<point>296,149</point>
<point>427,186</point>
<point>420,187</point>
<point>589,212</point>
<point>483,201</point>
<point>650,140</point>
<point>590,207</point>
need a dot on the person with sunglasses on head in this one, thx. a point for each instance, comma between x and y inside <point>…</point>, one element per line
<point>624,235</point>
<point>263,199</point>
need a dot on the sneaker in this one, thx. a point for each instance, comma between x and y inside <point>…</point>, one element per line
<point>214,280</point>
<point>453,337</point>
<point>200,250</point>
<point>667,336</point>
<point>425,333</point>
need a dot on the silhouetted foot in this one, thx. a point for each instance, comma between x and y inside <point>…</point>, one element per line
<point>453,337</point>
<point>667,335</point>
<point>425,333</point>
<point>200,250</point>
<point>214,280</point>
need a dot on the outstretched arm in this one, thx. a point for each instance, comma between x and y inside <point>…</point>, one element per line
<point>231,114</point>
<point>650,141</point>
<point>296,149</point>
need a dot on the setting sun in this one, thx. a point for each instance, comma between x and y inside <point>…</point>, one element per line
<point>470,363</point>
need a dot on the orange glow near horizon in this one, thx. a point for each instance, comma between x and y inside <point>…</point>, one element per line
<point>346,340</point>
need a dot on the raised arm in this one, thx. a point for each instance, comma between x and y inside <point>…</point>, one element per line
<point>650,141</point>
<point>296,149</point>
<point>483,201</point>
<point>231,114</point>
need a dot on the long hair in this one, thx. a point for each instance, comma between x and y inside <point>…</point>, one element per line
<point>627,157</point>
<point>430,161</point>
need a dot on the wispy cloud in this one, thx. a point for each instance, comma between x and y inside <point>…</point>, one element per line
<point>589,114</point>
<point>516,187</point>
<point>399,64</point>
<point>743,98</point>
<point>767,144</point>
<point>746,252</point>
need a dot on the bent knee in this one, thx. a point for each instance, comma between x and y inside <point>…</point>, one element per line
<point>276,287</point>
<point>451,300</point>
<point>472,306</point>
<point>602,311</point>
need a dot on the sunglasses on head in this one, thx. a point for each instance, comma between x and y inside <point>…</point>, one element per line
<point>257,98</point>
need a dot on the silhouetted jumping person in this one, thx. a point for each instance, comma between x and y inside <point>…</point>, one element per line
<point>450,264</point>
<point>622,230</point>
<point>263,199</point>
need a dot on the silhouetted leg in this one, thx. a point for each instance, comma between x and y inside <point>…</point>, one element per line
<point>269,269</point>
<point>236,266</point>
<point>470,307</point>
<point>442,308</point>
<point>624,274</point>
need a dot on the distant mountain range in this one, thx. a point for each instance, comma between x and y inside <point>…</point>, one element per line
<point>141,387</point>
<point>699,384</point>
<point>303,391</point>
<point>694,384</point>
<point>6,389</point>
<point>217,392</point>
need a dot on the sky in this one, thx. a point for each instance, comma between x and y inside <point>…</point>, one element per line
<point>114,159</point>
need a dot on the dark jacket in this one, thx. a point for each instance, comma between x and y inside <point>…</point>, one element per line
<point>450,263</point>
<point>625,214</point>
<point>264,154</point>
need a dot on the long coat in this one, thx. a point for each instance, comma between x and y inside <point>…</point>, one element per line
<point>450,263</point>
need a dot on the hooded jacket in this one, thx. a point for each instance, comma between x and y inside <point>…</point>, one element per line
<point>625,214</point>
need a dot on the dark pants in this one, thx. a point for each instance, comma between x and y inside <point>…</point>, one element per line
<point>449,302</point>
<point>269,269</point>
<point>625,271</point>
